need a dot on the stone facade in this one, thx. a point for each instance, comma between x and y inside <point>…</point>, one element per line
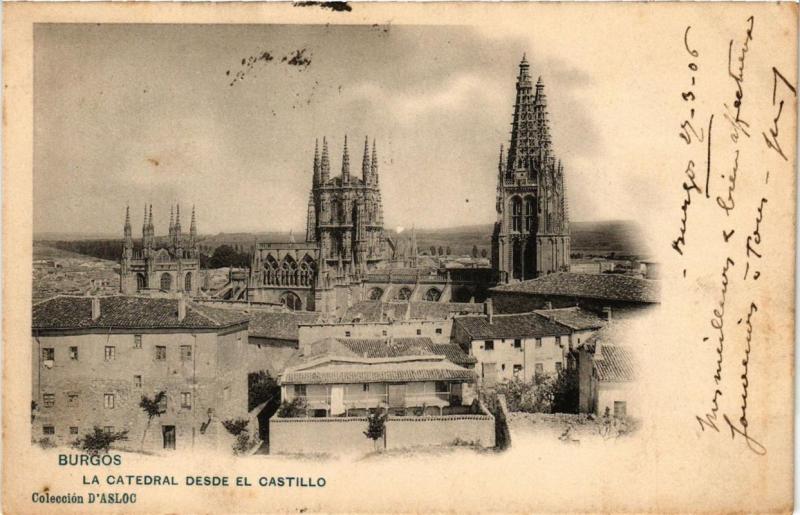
<point>171,266</point>
<point>531,235</point>
<point>89,375</point>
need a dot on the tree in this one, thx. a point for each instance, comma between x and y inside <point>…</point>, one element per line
<point>475,251</point>
<point>448,250</point>
<point>262,387</point>
<point>433,250</point>
<point>225,255</point>
<point>441,250</point>
<point>483,253</point>
<point>100,441</point>
<point>236,426</point>
<point>376,427</point>
<point>565,392</point>
<point>295,408</point>
<point>152,408</point>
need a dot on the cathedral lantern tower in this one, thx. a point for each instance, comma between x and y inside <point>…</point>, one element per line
<point>531,235</point>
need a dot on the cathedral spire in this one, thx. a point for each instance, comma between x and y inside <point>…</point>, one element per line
<point>365,164</point>
<point>500,162</point>
<point>193,230</point>
<point>373,170</point>
<point>523,133</point>
<point>542,123</point>
<point>316,163</point>
<point>325,164</point>
<point>345,163</point>
<point>171,225</point>
<point>127,228</point>
<point>178,224</point>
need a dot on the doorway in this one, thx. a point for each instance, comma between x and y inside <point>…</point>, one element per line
<point>168,434</point>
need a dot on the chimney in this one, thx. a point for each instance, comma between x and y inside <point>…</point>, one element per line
<point>181,308</point>
<point>607,313</point>
<point>95,308</point>
<point>488,309</point>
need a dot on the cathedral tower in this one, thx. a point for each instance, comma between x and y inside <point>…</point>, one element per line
<point>531,235</point>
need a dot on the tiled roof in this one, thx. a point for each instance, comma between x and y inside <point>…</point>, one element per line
<point>575,318</point>
<point>439,370</point>
<point>120,312</point>
<point>279,325</point>
<point>615,364</point>
<point>383,348</point>
<point>377,311</point>
<point>520,325</point>
<point>592,286</point>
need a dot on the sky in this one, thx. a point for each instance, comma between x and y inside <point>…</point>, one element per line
<point>165,114</point>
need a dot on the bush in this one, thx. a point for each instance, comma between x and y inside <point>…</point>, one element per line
<point>99,441</point>
<point>236,427</point>
<point>295,408</point>
<point>376,426</point>
<point>46,443</point>
<point>243,444</point>
<point>530,397</point>
<point>262,387</point>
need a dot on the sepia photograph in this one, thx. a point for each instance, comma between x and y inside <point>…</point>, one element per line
<point>295,251</point>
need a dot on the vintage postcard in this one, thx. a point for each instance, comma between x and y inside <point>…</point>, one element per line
<point>399,257</point>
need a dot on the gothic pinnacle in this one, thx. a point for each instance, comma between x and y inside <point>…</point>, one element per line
<point>345,162</point>
<point>374,163</point>
<point>325,165</point>
<point>316,163</point>
<point>365,164</point>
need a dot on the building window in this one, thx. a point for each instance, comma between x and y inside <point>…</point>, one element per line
<point>516,214</point>
<point>530,210</point>
<point>347,334</point>
<point>488,345</point>
<point>73,400</point>
<point>110,352</point>
<point>517,343</point>
<point>419,332</point>
<point>620,409</point>
<point>49,400</point>
<point>559,366</point>
<point>438,330</point>
<point>558,341</point>
<point>539,368</point>
<point>538,343</point>
<point>365,387</point>
<point>186,352</point>
<point>161,353</point>
<point>73,353</point>
<point>299,390</point>
<point>49,430</point>
<point>503,366</point>
<point>517,369</point>
<point>108,429</point>
<point>108,400</point>
<point>137,381</point>
<point>73,430</point>
<point>137,341</point>
<point>384,333</point>
<point>186,400</point>
<point>49,354</point>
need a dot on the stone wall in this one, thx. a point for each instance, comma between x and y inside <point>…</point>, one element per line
<point>340,435</point>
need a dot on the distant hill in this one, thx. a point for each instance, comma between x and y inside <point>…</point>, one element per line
<point>621,237</point>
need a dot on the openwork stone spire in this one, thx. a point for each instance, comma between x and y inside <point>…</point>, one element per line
<point>365,163</point>
<point>325,164</point>
<point>345,163</point>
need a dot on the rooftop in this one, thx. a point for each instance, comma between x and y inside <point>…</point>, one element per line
<point>377,311</point>
<point>592,286</point>
<point>519,325</point>
<point>372,348</point>
<point>279,325</point>
<point>379,372</point>
<point>575,318</point>
<point>121,312</point>
<point>615,364</point>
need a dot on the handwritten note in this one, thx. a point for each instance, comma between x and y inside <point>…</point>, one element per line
<point>735,154</point>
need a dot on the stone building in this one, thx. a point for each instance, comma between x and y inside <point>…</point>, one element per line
<point>531,235</point>
<point>609,295</point>
<point>346,256</point>
<point>94,358</point>
<point>159,265</point>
